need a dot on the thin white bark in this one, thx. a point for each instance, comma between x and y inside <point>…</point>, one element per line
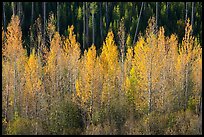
<point>192,17</point>
<point>13,7</point>
<point>84,24</point>
<point>138,24</point>
<point>4,16</point>
<point>44,23</point>
<point>87,24</point>
<point>93,28</point>
<point>186,87</point>
<point>157,15</point>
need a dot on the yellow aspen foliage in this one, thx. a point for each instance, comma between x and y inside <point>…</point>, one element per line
<point>128,41</point>
<point>51,28</point>
<point>131,86</point>
<point>54,51</point>
<point>134,92</point>
<point>128,60</point>
<point>149,61</point>
<point>172,49</point>
<point>78,92</point>
<point>155,89</point>
<point>72,53</point>
<point>197,68</point>
<point>91,57</point>
<point>171,68</point>
<point>3,48</point>
<point>32,75</point>
<point>161,53</point>
<point>85,84</point>
<point>196,76</point>
<point>33,84</point>
<point>3,41</point>
<point>140,58</point>
<point>14,61</point>
<point>186,48</point>
<point>110,64</point>
<point>55,66</point>
<point>109,55</point>
<point>127,65</point>
<point>70,43</point>
<point>14,49</point>
<point>161,70</point>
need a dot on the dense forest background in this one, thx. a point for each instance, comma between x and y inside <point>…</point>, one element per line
<point>102,68</point>
<point>93,20</point>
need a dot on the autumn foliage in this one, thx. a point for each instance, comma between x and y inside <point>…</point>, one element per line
<point>157,89</point>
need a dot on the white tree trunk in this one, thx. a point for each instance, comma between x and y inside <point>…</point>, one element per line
<point>138,24</point>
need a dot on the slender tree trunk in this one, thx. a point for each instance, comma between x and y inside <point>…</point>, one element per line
<point>20,12</point>
<point>36,112</point>
<point>93,29</point>
<point>4,16</point>
<point>121,35</point>
<point>84,25</point>
<point>13,4</point>
<point>156,15</point>
<point>87,24</point>
<point>186,15</point>
<point>150,90</point>
<point>15,77</point>
<point>31,28</point>
<point>186,88</point>
<point>200,122</point>
<point>92,98</point>
<point>192,17</point>
<point>44,23</point>
<point>32,12</point>
<point>26,101</point>
<point>138,24</point>
<point>7,97</point>
<point>167,10</point>
<point>101,22</point>
<point>145,4</point>
<point>18,9</point>
<point>58,16</point>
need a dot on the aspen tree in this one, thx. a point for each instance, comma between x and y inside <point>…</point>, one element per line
<point>72,54</point>
<point>127,66</point>
<point>173,96</point>
<point>85,86</point>
<point>139,69</point>
<point>51,28</point>
<point>33,88</point>
<point>52,79</point>
<point>148,62</point>
<point>110,64</point>
<point>5,81</point>
<point>185,51</point>
<point>15,57</point>
<point>161,70</point>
